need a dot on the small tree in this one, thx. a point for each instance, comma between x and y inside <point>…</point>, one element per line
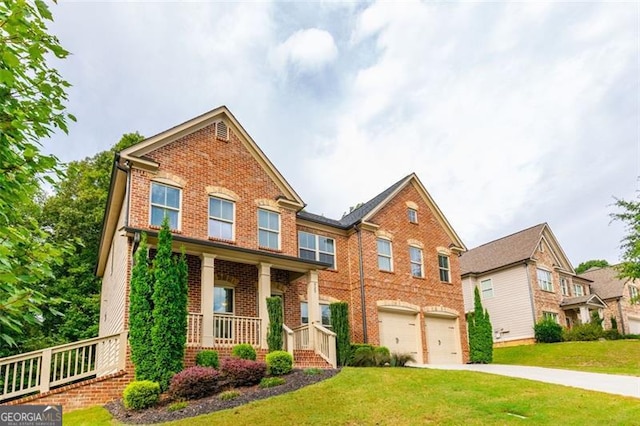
<point>340,323</point>
<point>274,333</point>
<point>480,333</point>
<point>140,314</point>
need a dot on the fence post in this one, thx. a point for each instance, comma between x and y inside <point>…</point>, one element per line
<point>45,370</point>
<point>122,354</point>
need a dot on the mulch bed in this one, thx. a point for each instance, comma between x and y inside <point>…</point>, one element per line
<point>295,380</point>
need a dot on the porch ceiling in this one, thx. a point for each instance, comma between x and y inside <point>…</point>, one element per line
<point>231,253</point>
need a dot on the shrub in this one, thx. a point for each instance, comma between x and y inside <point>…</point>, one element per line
<point>480,333</point>
<point>274,332</point>
<point>141,394</point>
<point>354,348</point>
<point>229,395</point>
<point>340,322</point>
<point>612,334</point>
<point>583,333</point>
<point>631,336</point>
<point>279,363</point>
<point>177,406</point>
<point>363,357</point>
<point>312,371</point>
<point>614,323</point>
<point>401,359</point>
<point>244,351</point>
<point>381,355</point>
<point>242,372</point>
<point>195,382</point>
<point>270,382</point>
<point>207,358</point>
<point>548,331</point>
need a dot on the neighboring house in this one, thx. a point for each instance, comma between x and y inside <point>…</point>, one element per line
<point>523,278</point>
<point>394,259</point>
<point>618,293</point>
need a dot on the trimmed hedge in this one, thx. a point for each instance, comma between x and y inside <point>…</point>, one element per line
<point>141,394</point>
<point>244,351</point>
<point>242,372</point>
<point>279,363</point>
<point>274,332</point>
<point>381,355</point>
<point>583,333</point>
<point>208,358</point>
<point>195,382</point>
<point>547,331</point>
<point>363,357</point>
<point>340,323</point>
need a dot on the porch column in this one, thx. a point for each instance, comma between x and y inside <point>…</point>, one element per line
<point>584,315</point>
<point>207,279</point>
<point>264,291</point>
<point>313,304</point>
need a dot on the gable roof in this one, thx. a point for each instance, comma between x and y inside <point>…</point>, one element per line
<point>588,299</point>
<point>367,210</point>
<point>606,282</point>
<point>512,249</point>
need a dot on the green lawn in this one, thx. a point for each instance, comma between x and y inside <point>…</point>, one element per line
<point>613,357</point>
<point>406,396</point>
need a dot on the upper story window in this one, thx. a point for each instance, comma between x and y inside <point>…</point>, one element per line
<point>385,259</point>
<point>443,266</point>
<point>412,214</point>
<point>165,201</point>
<point>545,280</point>
<point>268,229</point>
<point>564,286</point>
<point>486,287</point>
<point>221,214</point>
<point>317,247</point>
<point>578,290</point>
<point>415,257</point>
<point>633,292</point>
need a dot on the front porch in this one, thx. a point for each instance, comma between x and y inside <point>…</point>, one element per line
<point>579,310</point>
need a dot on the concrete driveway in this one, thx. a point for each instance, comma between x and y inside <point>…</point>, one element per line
<point>608,383</point>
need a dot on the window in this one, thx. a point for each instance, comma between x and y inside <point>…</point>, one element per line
<point>564,286</point>
<point>486,287</point>
<point>223,300</point>
<point>165,201</point>
<point>317,247</point>
<point>385,262</point>
<point>325,313</point>
<point>443,265</point>
<point>412,214</point>
<point>268,229</point>
<point>221,218</point>
<point>578,290</point>
<point>550,316</point>
<point>544,280</point>
<point>415,256</point>
<point>633,292</point>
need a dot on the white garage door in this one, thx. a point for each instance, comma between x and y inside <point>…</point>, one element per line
<point>443,340</point>
<point>634,325</point>
<point>399,332</point>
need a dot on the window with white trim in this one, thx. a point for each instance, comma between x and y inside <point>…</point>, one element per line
<point>221,218</point>
<point>223,300</point>
<point>317,247</point>
<point>325,314</point>
<point>443,266</point>
<point>545,280</point>
<point>165,201</point>
<point>385,256</point>
<point>578,290</point>
<point>564,286</point>
<point>415,258</point>
<point>633,292</point>
<point>268,229</point>
<point>553,316</point>
<point>486,288</point>
<point>412,215</point>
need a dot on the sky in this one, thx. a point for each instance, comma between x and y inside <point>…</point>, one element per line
<point>511,114</point>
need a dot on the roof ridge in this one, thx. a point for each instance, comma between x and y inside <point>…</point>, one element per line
<point>509,236</point>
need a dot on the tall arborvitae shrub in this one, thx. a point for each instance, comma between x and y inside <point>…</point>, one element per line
<point>274,333</point>
<point>340,323</point>
<point>480,333</point>
<point>140,314</point>
<point>168,333</point>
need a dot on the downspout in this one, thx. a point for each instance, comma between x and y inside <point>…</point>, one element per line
<point>127,194</point>
<point>362,294</point>
<point>533,306</point>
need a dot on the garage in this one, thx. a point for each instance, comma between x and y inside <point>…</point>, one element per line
<point>634,325</point>
<point>443,340</point>
<point>399,331</point>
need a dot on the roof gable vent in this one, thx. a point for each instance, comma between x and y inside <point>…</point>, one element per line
<point>222,131</point>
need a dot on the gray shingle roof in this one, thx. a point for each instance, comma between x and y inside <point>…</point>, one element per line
<point>606,283</point>
<point>503,251</point>
<point>357,214</point>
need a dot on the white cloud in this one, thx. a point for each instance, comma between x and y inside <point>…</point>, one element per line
<point>306,51</point>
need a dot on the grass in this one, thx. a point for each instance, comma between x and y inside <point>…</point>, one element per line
<point>406,396</point>
<point>613,357</point>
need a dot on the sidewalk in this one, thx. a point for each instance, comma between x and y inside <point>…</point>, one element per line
<point>607,383</point>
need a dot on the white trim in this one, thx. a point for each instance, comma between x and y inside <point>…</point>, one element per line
<point>279,232</point>
<point>539,282</point>
<point>412,262</point>
<point>317,250</point>
<point>151,204</point>
<point>482,289</point>
<point>390,256</point>
<point>233,219</point>
<point>448,268</point>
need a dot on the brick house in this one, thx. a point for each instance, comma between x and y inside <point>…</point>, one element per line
<point>620,296</point>
<point>394,259</point>
<point>523,278</point>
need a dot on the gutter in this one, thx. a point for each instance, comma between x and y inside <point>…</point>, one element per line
<point>362,291</point>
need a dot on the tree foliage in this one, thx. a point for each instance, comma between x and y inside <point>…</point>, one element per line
<point>274,332</point>
<point>594,263</point>
<point>629,214</point>
<point>340,323</point>
<point>480,333</point>
<point>32,97</point>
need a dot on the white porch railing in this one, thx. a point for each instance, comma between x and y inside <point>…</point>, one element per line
<point>325,342</point>
<point>301,337</point>
<point>41,370</point>
<point>194,329</point>
<point>288,339</point>
<point>232,330</point>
